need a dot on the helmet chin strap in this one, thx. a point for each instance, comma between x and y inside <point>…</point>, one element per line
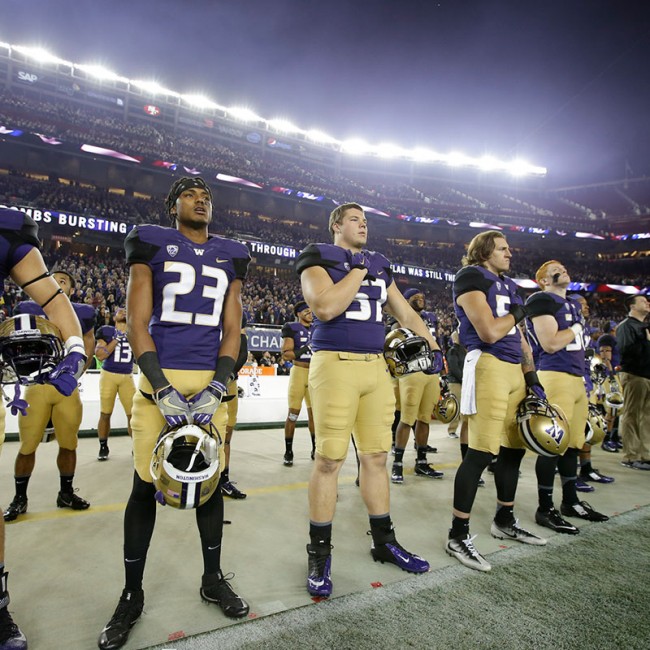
<point>196,451</point>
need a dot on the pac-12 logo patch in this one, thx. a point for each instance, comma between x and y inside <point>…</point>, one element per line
<point>172,249</point>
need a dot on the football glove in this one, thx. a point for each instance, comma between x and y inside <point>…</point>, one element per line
<point>519,312</point>
<point>65,376</point>
<point>174,407</point>
<point>204,405</point>
<point>533,385</point>
<point>359,261</point>
<point>305,349</point>
<point>436,363</point>
<point>577,329</point>
<point>18,405</point>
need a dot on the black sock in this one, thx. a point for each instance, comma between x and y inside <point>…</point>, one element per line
<point>66,484</point>
<point>288,445</point>
<point>459,527</point>
<point>422,454</point>
<point>504,514</point>
<point>381,529</point>
<point>320,534</point>
<point>225,475</point>
<point>21,483</point>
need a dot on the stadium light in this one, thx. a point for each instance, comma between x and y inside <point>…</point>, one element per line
<point>355,146</point>
<point>456,159</point>
<point>40,55</point>
<point>489,163</point>
<point>520,167</point>
<point>244,114</point>
<point>388,150</point>
<point>154,88</point>
<point>421,154</point>
<point>100,72</point>
<point>199,101</point>
<point>285,126</point>
<point>319,137</point>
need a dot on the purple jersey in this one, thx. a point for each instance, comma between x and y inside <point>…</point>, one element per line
<point>121,359</point>
<point>18,235</point>
<point>190,283</point>
<point>431,321</point>
<point>300,335</point>
<point>85,313</point>
<point>500,292</point>
<point>360,328</point>
<point>570,359</point>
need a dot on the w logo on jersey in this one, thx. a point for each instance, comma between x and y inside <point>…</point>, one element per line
<point>199,251</point>
<point>172,249</point>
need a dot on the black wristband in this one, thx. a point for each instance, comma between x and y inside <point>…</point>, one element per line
<point>519,312</point>
<point>531,379</point>
<point>242,356</point>
<point>225,368</point>
<point>150,366</point>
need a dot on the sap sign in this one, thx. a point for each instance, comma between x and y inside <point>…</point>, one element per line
<point>29,77</point>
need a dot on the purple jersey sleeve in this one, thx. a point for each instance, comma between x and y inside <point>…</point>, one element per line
<point>360,327</point>
<point>190,283</point>
<point>18,235</point>
<point>121,359</point>
<point>300,336</point>
<point>500,292</point>
<point>570,359</point>
<point>431,321</point>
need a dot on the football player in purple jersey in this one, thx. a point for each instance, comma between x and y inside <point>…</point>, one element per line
<point>419,393</point>
<point>21,260</point>
<point>295,348</point>
<point>47,403</point>
<point>115,377</point>
<point>346,287</point>
<point>558,326</point>
<point>184,316</point>
<point>498,369</point>
<point>587,473</point>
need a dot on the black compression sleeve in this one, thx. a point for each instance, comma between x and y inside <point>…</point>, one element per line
<point>150,366</point>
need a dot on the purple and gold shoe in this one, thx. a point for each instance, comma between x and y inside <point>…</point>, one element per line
<point>319,580</point>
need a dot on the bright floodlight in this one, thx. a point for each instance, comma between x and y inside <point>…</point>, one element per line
<point>244,114</point>
<point>154,88</point>
<point>421,154</point>
<point>100,72</point>
<point>356,146</point>
<point>521,168</point>
<point>456,159</point>
<point>489,163</point>
<point>318,136</point>
<point>388,150</point>
<point>199,101</point>
<point>280,124</point>
<point>40,55</point>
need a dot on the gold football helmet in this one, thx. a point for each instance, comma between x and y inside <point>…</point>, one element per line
<point>30,346</point>
<point>543,427</point>
<point>447,408</point>
<point>406,352</point>
<point>185,465</point>
<point>596,427</point>
<point>614,398</point>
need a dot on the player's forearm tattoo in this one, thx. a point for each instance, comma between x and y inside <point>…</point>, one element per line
<point>527,363</point>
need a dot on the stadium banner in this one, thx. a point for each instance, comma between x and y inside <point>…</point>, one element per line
<point>419,272</point>
<point>261,339</point>
<point>275,250</point>
<point>72,220</point>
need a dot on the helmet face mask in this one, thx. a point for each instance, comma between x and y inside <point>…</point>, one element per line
<point>406,352</point>
<point>614,398</point>
<point>596,427</point>
<point>597,370</point>
<point>30,346</point>
<point>185,465</point>
<point>542,427</point>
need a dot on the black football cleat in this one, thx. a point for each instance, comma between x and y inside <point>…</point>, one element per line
<point>216,589</point>
<point>17,507</point>
<point>116,632</point>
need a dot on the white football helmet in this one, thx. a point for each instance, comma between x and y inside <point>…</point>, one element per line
<point>185,465</point>
<point>596,427</point>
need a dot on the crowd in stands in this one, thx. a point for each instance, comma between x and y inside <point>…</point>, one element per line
<point>72,122</point>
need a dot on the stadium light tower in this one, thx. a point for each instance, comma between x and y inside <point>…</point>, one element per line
<point>244,114</point>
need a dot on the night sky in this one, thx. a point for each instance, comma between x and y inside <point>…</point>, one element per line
<point>564,84</point>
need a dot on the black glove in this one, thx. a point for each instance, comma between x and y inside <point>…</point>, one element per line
<point>533,384</point>
<point>519,312</point>
<point>359,261</point>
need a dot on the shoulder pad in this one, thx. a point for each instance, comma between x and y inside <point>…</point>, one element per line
<point>314,255</point>
<point>470,278</point>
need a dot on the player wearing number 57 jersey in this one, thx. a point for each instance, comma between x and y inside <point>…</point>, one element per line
<point>556,323</point>
<point>184,316</point>
<point>346,288</point>
<point>115,377</point>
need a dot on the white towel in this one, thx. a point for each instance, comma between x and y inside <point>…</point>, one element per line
<point>468,391</point>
